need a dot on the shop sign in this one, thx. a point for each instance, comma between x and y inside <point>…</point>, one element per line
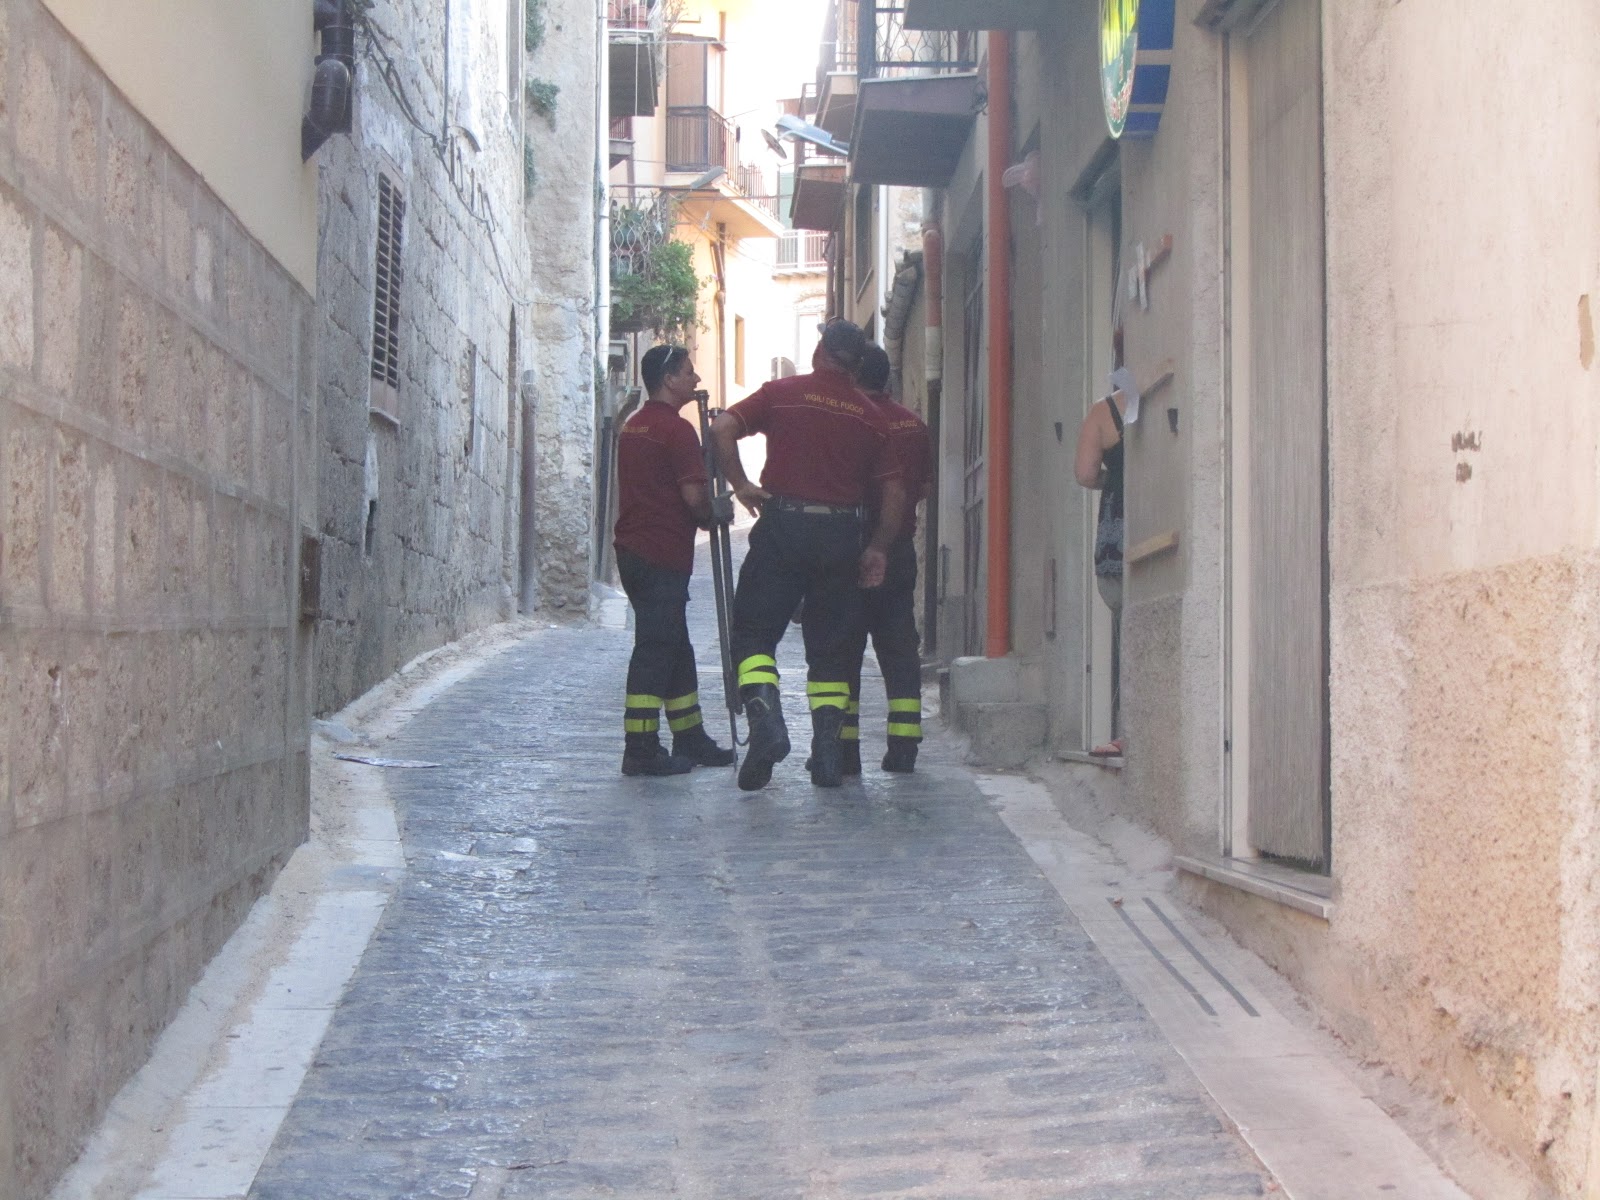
<point>1135,64</point>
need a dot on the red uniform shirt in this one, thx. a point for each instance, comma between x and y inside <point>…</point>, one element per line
<point>825,440</point>
<point>657,452</point>
<point>913,447</point>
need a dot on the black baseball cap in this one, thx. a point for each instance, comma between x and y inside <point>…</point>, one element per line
<point>844,341</point>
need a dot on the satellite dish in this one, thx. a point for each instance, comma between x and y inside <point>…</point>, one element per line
<point>789,126</point>
<point>774,144</point>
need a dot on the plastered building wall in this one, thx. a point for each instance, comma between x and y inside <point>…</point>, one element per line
<point>156,422</point>
<point>1173,602</point>
<point>252,60</point>
<point>1463,255</point>
<point>1461,269</point>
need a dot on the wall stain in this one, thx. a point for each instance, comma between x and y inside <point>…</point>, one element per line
<point>1468,440</point>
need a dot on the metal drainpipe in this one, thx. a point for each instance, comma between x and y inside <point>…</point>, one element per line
<point>998,252</point>
<point>602,163</point>
<point>719,252</point>
<point>933,366</point>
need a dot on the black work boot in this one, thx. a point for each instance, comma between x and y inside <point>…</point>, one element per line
<point>849,757</point>
<point>827,751</point>
<point>901,757</point>
<point>696,745</point>
<point>643,754</point>
<point>769,736</point>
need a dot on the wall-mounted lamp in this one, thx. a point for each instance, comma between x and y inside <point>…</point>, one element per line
<point>333,84</point>
<point>790,126</point>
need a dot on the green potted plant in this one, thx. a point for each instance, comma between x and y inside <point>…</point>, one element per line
<point>654,287</point>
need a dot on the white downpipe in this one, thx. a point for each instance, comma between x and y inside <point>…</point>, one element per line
<point>602,165</point>
<point>933,350</point>
<point>884,280</point>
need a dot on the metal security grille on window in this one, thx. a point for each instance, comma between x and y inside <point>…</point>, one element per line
<point>386,285</point>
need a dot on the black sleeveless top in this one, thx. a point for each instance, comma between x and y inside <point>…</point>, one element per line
<point>1108,530</point>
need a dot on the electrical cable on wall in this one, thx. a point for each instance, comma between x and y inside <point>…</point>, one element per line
<point>383,61</point>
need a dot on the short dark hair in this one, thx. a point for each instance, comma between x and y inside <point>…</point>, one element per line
<point>659,362</point>
<point>874,371</point>
<point>844,342</point>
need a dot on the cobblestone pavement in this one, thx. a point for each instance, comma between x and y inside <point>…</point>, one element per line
<point>596,986</point>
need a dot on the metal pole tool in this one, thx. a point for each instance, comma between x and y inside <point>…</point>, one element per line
<point>721,574</point>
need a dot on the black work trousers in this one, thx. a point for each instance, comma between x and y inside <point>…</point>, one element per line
<point>661,673</point>
<point>797,556</point>
<point>888,618</point>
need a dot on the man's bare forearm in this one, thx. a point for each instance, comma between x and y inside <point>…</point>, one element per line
<point>725,441</point>
<point>891,512</point>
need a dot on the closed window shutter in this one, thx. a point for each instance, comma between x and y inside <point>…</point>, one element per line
<point>386,287</point>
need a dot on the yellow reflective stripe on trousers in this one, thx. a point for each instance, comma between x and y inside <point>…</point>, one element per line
<point>905,731</point>
<point>652,725</point>
<point>679,724</point>
<point>850,733</point>
<point>642,702</point>
<point>828,695</point>
<point>679,703</point>
<point>758,668</point>
<point>905,706</point>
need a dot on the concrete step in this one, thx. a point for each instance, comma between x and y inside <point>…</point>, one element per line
<point>1003,733</point>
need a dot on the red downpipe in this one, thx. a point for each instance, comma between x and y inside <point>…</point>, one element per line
<point>998,256</point>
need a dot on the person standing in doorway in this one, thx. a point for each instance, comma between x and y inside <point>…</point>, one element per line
<point>1099,464</point>
<point>889,611</point>
<point>826,446</point>
<point>664,494</point>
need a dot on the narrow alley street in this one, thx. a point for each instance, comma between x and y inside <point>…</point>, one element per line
<point>595,986</point>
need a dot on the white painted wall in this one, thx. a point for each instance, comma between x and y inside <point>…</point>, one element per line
<point>226,83</point>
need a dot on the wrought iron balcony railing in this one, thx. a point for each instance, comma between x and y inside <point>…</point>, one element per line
<point>752,185</point>
<point>870,39</point>
<point>890,50</point>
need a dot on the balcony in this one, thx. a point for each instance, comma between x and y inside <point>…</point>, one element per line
<point>837,70</point>
<point>917,99</point>
<point>698,139</point>
<point>819,194</point>
<point>802,252</point>
<point>635,57</point>
<point>977,14</point>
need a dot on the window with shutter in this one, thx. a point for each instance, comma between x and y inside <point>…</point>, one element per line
<point>385,396</point>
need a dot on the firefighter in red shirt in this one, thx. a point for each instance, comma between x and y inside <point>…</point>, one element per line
<point>663,495</point>
<point>826,445</point>
<point>889,612</point>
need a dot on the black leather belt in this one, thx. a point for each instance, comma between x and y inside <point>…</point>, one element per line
<point>785,504</point>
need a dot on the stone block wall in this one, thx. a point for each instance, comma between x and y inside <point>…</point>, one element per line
<point>421,515</point>
<point>155,407</point>
<point>560,218</point>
